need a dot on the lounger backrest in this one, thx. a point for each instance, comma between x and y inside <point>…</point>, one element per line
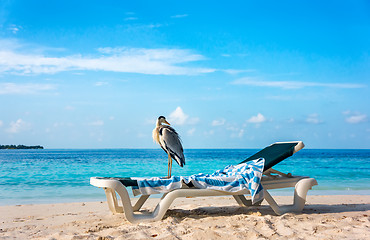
<point>276,153</point>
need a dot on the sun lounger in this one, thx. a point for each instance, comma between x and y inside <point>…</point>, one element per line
<point>272,179</point>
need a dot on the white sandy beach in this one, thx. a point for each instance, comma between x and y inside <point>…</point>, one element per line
<point>324,217</point>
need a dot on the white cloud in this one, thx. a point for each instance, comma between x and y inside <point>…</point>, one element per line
<point>253,81</point>
<point>218,122</point>
<point>14,28</point>
<point>291,120</point>
<point>237,71</point>
<point>355,117</point>
<point>131,18</point>
<point>26,88</point>
<point>157,25</point>
<point>69,108</point>
<point>96,123</point>
<point>257,119</point>
<point>178,117</point>
<point>191,132</point>
<point>180,16</point>
<point>99,84</point>
<point>18,126</point>
<point>313,119</point>
<point>1,123</point>
<point>62,124</point>
<point>236,132</point>
<point>241,133</point>
<point>129,60</point>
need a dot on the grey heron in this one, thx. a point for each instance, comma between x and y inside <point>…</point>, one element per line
<point>170,142</point>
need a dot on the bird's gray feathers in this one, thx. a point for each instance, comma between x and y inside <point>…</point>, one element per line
<point>170,142</point>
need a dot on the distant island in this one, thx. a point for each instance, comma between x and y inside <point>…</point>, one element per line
<point>20,147</point>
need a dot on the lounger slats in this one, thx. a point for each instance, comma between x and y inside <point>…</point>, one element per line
<point>128,182</point>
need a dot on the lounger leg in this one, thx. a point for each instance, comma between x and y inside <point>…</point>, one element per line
<point>272,203</point>
<point>140,202</point>
<point>242,201</point>
<point>112,200</point>
<point>300,193</point>
<point>156,215</point>
<point>111,187</point>
<point>162,206</point>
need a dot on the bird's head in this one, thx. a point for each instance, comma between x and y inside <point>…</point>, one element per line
<point>161,120</point>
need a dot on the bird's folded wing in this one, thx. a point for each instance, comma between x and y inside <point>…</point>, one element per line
<point>172,144</point>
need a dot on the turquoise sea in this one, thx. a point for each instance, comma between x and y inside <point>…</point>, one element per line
<point>50,176</point>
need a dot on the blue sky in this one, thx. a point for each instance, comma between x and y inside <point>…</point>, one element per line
<point>234,74</point>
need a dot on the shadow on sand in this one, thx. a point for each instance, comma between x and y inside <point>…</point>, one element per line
<point>264,210</point>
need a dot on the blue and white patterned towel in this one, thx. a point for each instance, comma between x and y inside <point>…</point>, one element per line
<point>232,178</point>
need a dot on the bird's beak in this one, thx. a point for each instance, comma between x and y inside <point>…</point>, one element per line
<point>166,122</point>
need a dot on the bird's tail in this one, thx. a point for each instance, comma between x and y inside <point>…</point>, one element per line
<point>180,159</point>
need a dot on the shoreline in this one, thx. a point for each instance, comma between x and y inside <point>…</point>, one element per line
<point>324,216</point>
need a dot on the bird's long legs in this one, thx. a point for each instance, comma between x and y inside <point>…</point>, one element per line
<point>169,166</point>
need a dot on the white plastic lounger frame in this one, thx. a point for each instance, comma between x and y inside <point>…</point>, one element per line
<point>111,186</point>
<point>301,186</point>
